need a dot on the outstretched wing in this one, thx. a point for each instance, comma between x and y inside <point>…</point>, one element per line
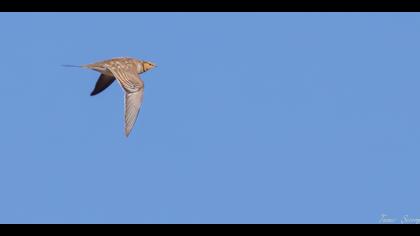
<point>133,103</point>
<point>134,87</point>
<point>103,82</point>
<point>127,76</point>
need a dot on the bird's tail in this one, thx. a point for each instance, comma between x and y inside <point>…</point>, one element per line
<point>71,66</point>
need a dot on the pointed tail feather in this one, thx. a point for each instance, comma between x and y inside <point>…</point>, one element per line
<point>71,66</point>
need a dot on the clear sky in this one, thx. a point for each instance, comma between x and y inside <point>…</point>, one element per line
<point>248,118</point>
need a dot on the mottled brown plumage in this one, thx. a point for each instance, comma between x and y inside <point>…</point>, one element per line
<point>126,71</point>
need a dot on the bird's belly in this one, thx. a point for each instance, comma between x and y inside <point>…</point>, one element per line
<point>105,72</point>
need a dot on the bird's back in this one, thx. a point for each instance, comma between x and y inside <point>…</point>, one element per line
<point>102,66</point>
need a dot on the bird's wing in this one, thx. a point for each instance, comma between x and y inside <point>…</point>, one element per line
<point>128,77</point>
<point>103,82</point>
<point>133,103</point>
<point>134,88</point>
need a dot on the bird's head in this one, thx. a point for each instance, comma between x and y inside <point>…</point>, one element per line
<point>147,65</point>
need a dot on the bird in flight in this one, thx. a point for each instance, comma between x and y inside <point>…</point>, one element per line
<point>126,71</point>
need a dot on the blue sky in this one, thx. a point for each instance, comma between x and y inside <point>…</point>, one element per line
<point>248,118</point>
